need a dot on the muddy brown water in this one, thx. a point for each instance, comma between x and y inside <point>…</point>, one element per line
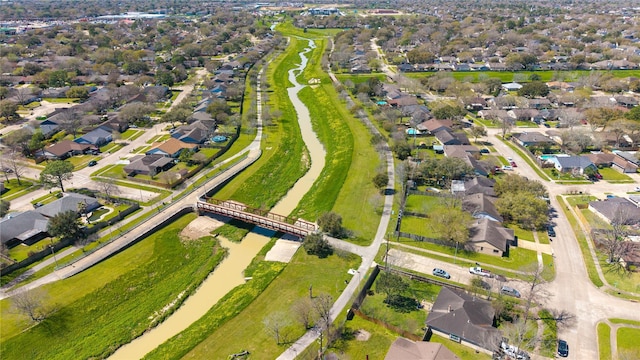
<point>229,273</point>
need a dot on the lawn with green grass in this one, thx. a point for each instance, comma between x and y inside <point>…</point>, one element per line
<point>613,176</point>
<point>625,321</point>
<point>14,190</point>
<point>61,100</point>
<point>111,147</point>
<point>115,301</point>
<point>627,339</point>
<point>548,344</point>
<point>21,252</point>
<point>604,341</point>
<point>132,134</point>
<point>412,320</point>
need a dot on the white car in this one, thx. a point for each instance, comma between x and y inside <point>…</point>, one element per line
<point>507,167</point>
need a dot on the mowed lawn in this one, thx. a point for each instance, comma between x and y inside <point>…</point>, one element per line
<point>628,343</point>
<point>115,301</point>
<point>247,330</point>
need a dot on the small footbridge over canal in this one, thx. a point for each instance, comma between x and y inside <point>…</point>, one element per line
<point>262,218</point>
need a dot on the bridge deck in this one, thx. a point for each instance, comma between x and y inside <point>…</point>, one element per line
<point>267,220</point>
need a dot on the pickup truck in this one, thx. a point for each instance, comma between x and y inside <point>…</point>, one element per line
<point>480,271</point>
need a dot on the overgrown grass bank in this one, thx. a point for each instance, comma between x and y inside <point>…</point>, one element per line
<point>115,301</point>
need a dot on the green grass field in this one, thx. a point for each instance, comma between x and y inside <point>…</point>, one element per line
<point>115,301</point>
<point>613,176</point>
<point>14,190</point>
<point>604,341</point>
<point>628,343</point>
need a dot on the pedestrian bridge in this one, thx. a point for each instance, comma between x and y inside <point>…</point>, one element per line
<point>262,218</point>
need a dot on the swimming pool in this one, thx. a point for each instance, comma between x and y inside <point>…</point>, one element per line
<point>546,157</point>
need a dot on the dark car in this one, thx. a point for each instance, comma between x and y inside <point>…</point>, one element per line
<point>563,348</point>
<point>484,151</point>
<point>441,273</point>
<point>507,290</point>
<point>550,231</point>
<point>92,163</point>
<point>513,164</point>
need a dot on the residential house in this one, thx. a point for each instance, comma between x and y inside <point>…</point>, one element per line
<point>98,137</point>
<point>616,210</point>
<point>481,206</point>
<point>631,157</point>
<point>539,104</point>
<point>475,103</point>
<point>480,185</point>
<point>434,125</point>
<point>448,137</point>
<point>404,100</point>
<point>513,86</point>
<point>489,237</point>
<point>172,148</point>
<point>25,228</point>
<point>626,101</point>
<point>573,164</point>
<point>461,151</point>
<point>149,165</point>
<point>523,114</point>
<point>405,349</point>
<point>48,128</point>
<point>465,318</point>
<point>65,149</point>
<point>613,161</point>
<point>195,133</point>
<point>70,201</point>
<point>528,139</point>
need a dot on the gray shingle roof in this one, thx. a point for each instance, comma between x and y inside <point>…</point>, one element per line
<point>22,226</point>
<point>470,318</point>
<point>69,201</point>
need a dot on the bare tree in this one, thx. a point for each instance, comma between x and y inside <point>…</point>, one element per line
<point>275,323</point>
<point>505,126</point>
<point>33,304</point>
<point>613,239</point>
<point>108,187</point>
<point>533,295</point>
<point>15,165</point>
<point>303,309</point>
<point>570,117</point>
<point>521,333</point>
<point>322,305</point>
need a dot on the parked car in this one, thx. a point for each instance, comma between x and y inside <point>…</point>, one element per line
<point>441,273</point>
<point>546,125</point>
<point>477,270</point>
<point>484,151</point>
<point>92,163</point>
<point>563,348</point>
<point>513,163</point>
<point>507,167</point>
<point>550,231</point>
<point>507,290</point>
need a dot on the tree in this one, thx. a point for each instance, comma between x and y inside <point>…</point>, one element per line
<point>13,163</point>
<point>274,323</point>
<point>33,304</point>
<point>478,131</point>
<point>505,126</point>
<point>135,112</point>
<point>533,294</point>
<point>402,149</point>
<point>449,112</point>
<point>381,180</point>
<point>512,183</point>
<point>108,187</point>
<point>303,309</point>
<point>55,173</point>
<point>331,223</point>
<point>524,209</point>
<point>316,244</point>
<point>8,110</point>
<point>390,284</point>
<point>534,89</point>
<point>18,141</point>
<point>4,207</point>
<point>37,141</point>
<point>66,225</point>
<point>613,238</point>
<point>452,225</point>
<point>633,114</point>
<point>80,92</point>
<point>570,117</point>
